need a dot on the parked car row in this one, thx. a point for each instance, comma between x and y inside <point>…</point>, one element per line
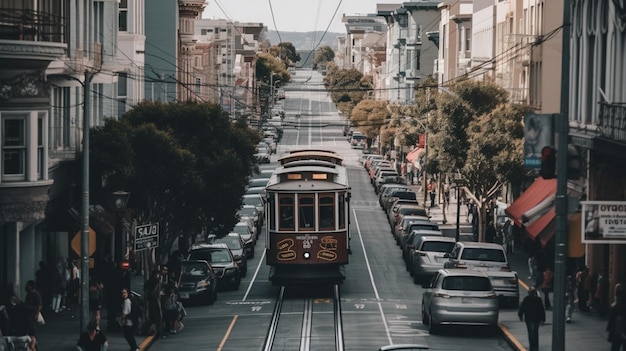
<point>464,282</point>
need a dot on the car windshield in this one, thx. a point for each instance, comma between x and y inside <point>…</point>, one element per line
<point>241,229</point>
<point>252,200</point>
<point>194,269</point>
<point>233,243</point>
<point>466,283</point>
<point>247,212</point>
<point>481,254</point>
<point>211,256</point>
<point>437,246</point>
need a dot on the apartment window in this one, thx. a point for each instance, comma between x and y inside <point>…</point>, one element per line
<point>14,147</point>
<point>122,93</point>
<point>198,85</point>
<point>123,16</point>
<point>41,155</point>
<point>468,39</point>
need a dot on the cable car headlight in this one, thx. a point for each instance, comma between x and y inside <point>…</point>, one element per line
<point>307,255</point>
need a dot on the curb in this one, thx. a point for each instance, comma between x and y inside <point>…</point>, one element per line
<point>510,339</point>
<point>147,341</point>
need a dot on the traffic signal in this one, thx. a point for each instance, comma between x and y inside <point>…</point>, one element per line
<point>548,163</point>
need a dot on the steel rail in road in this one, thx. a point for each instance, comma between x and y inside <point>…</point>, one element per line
<point>307,322</point>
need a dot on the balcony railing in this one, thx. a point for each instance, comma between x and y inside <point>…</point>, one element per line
<point>612,121</point>
<point>22,24</point>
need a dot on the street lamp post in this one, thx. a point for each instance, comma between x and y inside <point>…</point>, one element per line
<point>120,199</point>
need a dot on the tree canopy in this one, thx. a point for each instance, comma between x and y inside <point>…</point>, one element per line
<point>267,65</point>
<point>185,165</point>
<point>323,55</point>
<point>347,86</point>
<point>368,116</point>
<point>286,52</point>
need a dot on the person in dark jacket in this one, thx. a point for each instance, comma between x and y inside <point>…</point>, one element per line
<point>532,312</point>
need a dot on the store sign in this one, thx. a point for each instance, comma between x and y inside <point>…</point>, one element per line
<point>604,222</point>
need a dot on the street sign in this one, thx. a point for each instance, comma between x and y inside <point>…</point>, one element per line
<point>76,245</point>
<point>146,236</point>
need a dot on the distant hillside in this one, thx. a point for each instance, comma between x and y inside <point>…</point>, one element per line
<point>304,42</point>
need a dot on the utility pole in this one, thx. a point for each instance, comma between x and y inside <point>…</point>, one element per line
<point>84,238</point>
<point>560,248</point>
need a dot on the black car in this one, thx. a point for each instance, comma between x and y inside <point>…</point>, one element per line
<point>222,261</point>
<point>198,281</point>
<point>237,247</point>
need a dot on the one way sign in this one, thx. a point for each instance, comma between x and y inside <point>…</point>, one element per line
<point>146,236</point>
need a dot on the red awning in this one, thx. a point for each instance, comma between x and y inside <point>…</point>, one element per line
<point>538,191</point>
<point>414,154</point>
<point>541,225</point>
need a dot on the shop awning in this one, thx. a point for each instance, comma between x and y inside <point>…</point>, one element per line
<point>541,226</point>
<point>537,192</point>
<point>414,154</point>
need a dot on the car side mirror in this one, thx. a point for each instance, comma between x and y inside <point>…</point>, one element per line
<point>446,255</point>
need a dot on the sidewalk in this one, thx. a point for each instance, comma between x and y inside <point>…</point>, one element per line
<point>60,333</point>
<point>585,332</point>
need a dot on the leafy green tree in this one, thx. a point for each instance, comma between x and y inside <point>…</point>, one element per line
<point>286,52</point>
<point>267,65</point>
<point>348,87</point>
<point>368,116</point>
<point>185,165</point>
<point>323,55</point>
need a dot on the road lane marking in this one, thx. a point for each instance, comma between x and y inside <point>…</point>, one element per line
<point>227,334</point>
<point>369,270</point>
<point>256,272</point>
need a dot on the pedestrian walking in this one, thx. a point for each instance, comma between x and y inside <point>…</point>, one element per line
<point>532,267</point>
<point>171,311</point>
<point>432,187</point>
<point>583,287</point>
<point>570,297</point>
<point>532,312</point>
<point>601,296</point>
<point>73,286</point>
<point>33,300</point>
<point>95,302</point>
<point>616,326</point>
<point>546,286</point>
<point>92,340</point>
<point>21,320</point>
<point>58,289</point>
<point>127,322</point>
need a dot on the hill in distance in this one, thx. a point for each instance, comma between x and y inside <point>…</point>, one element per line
<point>304,42</point>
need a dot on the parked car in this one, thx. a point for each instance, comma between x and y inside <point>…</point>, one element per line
<point>222,261</point>
<point>198,281</point>
<point>256,200</point>
<point>415,224</point>
<point>244,229</point>
<point>506,286</point>
<point>258,182</point>
<point>401,209</point>
<point>459,296</point>
<point>411,242</point>
<point>249,213</point>
<point>477,256</point>
<point>427,257</point>
<point>237,247</point>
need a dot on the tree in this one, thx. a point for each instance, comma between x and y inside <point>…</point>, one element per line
<point>347,86</point>
<point>268,65</point>
<point>286,52</point>
<point>323,55</point>
<point>185,165</point>
<point>368,116</point>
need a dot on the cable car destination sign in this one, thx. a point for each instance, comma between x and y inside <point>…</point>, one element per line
<point>146,236</point>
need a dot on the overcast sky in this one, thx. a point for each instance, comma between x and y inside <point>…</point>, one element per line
<point>292,15</point>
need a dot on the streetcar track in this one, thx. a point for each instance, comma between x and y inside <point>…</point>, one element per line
<point>306,336</point>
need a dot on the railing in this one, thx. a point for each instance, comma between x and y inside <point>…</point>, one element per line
<point>612,121</point>
<point>22,24</point>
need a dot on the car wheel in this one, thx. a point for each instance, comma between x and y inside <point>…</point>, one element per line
<point>424,315</point>
<point>432,327</point>
<point>237,283</point>
<point>252,253</point>
<point>416,279</point>
<point>211,297</point>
